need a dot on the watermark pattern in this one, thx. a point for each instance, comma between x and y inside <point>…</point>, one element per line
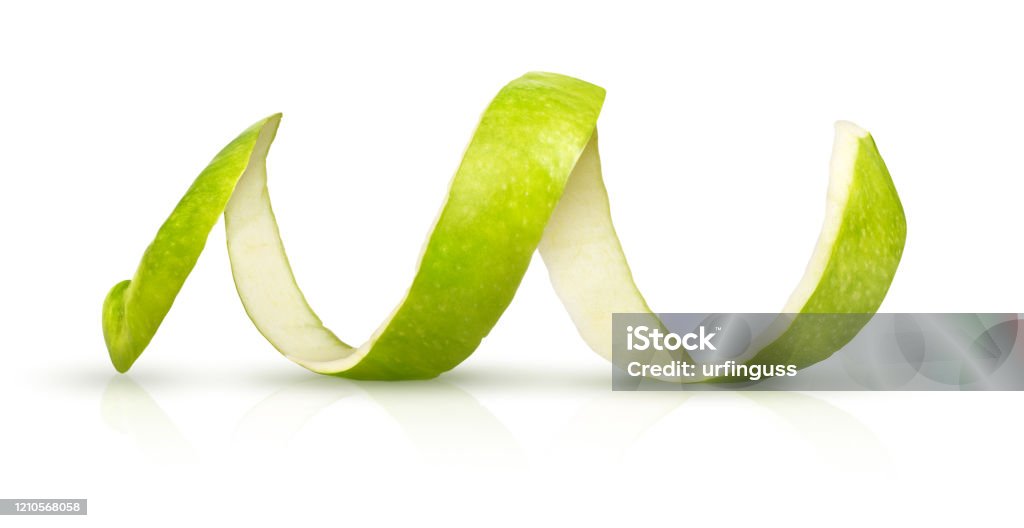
<point>705,351</point>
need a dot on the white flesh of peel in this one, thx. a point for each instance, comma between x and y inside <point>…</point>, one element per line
<point>845,148</point>
<point>584,258</point>
<point>264,279</point>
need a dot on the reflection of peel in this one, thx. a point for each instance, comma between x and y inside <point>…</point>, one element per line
<point>448,425</point>
<point>277,418</point>
<point>444,422</point>
<point>839,437</point>
<point>609,424</point>
<point>128,408</point>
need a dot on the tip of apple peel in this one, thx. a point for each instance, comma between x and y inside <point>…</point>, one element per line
<point>847,128</point>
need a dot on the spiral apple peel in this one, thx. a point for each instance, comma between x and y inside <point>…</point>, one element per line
<point>530,181</point>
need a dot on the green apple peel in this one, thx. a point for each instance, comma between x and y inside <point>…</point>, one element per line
<point>530,180</point>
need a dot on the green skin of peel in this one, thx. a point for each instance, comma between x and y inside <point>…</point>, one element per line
<point>511,178</point>
<point>509,182</point>
<point>862,265</point>
<point>134,309</point>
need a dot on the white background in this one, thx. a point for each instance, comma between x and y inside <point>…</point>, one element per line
<point>716,136</point>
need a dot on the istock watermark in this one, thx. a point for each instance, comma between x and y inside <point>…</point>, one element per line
<point>642,337</point>
<point>745,351</point>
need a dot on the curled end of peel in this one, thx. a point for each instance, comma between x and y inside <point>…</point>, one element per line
<point>845,147</point>
<point>115,329</point>
<point>849,129</point>
<point>130,322</point>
